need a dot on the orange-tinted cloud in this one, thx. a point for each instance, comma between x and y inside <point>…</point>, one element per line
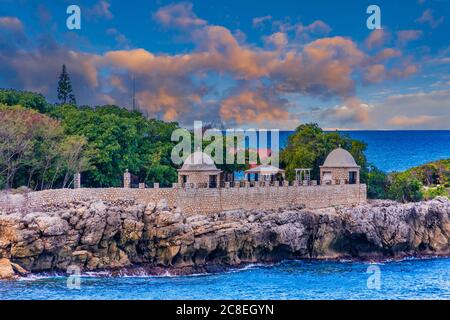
<point>251,107</point>
<point>11,23</point>
<point>402,121</point>
<point>405,36</point>
<point>377,38</point>
<point>178,15</point>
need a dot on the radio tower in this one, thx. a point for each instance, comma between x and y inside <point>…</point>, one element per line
<point>134,94</point>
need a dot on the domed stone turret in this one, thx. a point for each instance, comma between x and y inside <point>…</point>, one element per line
<point>340,158</point>
<point>339,168</point>
<point>198,161</point>
<point>199,170</point>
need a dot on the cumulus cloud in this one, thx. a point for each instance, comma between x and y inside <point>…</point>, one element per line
<point>259,80</point>
<point>253,107</point>
<point>352,112</point>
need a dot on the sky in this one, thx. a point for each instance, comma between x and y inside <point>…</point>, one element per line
<point>247,64</point>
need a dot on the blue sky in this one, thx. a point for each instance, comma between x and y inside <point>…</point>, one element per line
<point>240,63</point>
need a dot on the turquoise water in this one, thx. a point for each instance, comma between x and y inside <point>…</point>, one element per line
<point>407,279</point>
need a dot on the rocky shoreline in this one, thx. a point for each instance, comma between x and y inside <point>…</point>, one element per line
<point>123,237</point>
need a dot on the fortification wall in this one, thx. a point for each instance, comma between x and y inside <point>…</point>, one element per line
<point>214,200</point>
<point>206,200</point>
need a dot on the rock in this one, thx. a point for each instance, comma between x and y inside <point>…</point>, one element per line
<point>18,269</point>
<point>6,270</point>
<point>162,205</point>
<point>119,234</point>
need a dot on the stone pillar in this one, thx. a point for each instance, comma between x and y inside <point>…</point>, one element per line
<point>127,179</point>
<point>227,185</point>
<point>286,183</point>
<point>141,185</point>
<point>77,180</point>
<point>156,185</point>
<point>247,184</point>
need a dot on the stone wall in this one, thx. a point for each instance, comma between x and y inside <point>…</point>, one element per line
<point>204,200</point>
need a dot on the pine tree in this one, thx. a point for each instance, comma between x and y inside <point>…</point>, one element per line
<point>65,94</point>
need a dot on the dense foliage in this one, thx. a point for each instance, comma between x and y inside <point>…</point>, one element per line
<point>26,99</point>
<point>404,187</point>
<point>309,145</point>
<point>44,149</point>
<point>433,173</point>
<point>118,140</point>
<point>35,152</point>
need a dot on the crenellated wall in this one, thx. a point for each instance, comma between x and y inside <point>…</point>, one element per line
<point>204,200</point>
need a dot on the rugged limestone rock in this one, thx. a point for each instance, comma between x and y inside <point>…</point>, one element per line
<point>123,236</point>
<point>6,269</point>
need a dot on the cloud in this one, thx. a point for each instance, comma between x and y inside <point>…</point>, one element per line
<point>279,40</point>
<point>119,37</point>
<point>318,27</point>
<point>259,22</point>
<point>405,121</point>
<point>100,10</point>
<point>222,78</point>
<point>178,15</point>
<point>253,107</point>
<point>352,112</point>
<point>11,23</point>
<point>405,36</point>
<point>377,38</point>
<point>428,17</point>
<point>423,110</point>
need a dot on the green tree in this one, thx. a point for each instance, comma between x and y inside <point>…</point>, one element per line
<point>65,94</point>
<point>404,187</point>
<point>26,99</point>
<point>377,183</point>
<point>118,140</point>
<point>35,152</point>
<point>309,145</point>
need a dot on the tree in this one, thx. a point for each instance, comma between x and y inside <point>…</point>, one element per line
<point>404,187</point>
<point>65,94</point>
<point>36,101</point>
<point>309,145</point>
<point>35,152</point>
<point>118,140</point>
<point>377,183</point>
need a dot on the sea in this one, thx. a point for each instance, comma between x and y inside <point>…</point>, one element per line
<point>405,279</point>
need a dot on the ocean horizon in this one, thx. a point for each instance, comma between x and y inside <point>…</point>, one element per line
<point>398,150</point>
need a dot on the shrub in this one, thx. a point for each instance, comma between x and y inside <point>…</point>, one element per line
<point>431,193</point>
<point>377,183</point>
<point>404,187</point>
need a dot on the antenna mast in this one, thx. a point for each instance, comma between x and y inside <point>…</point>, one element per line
<point>134,94</point>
